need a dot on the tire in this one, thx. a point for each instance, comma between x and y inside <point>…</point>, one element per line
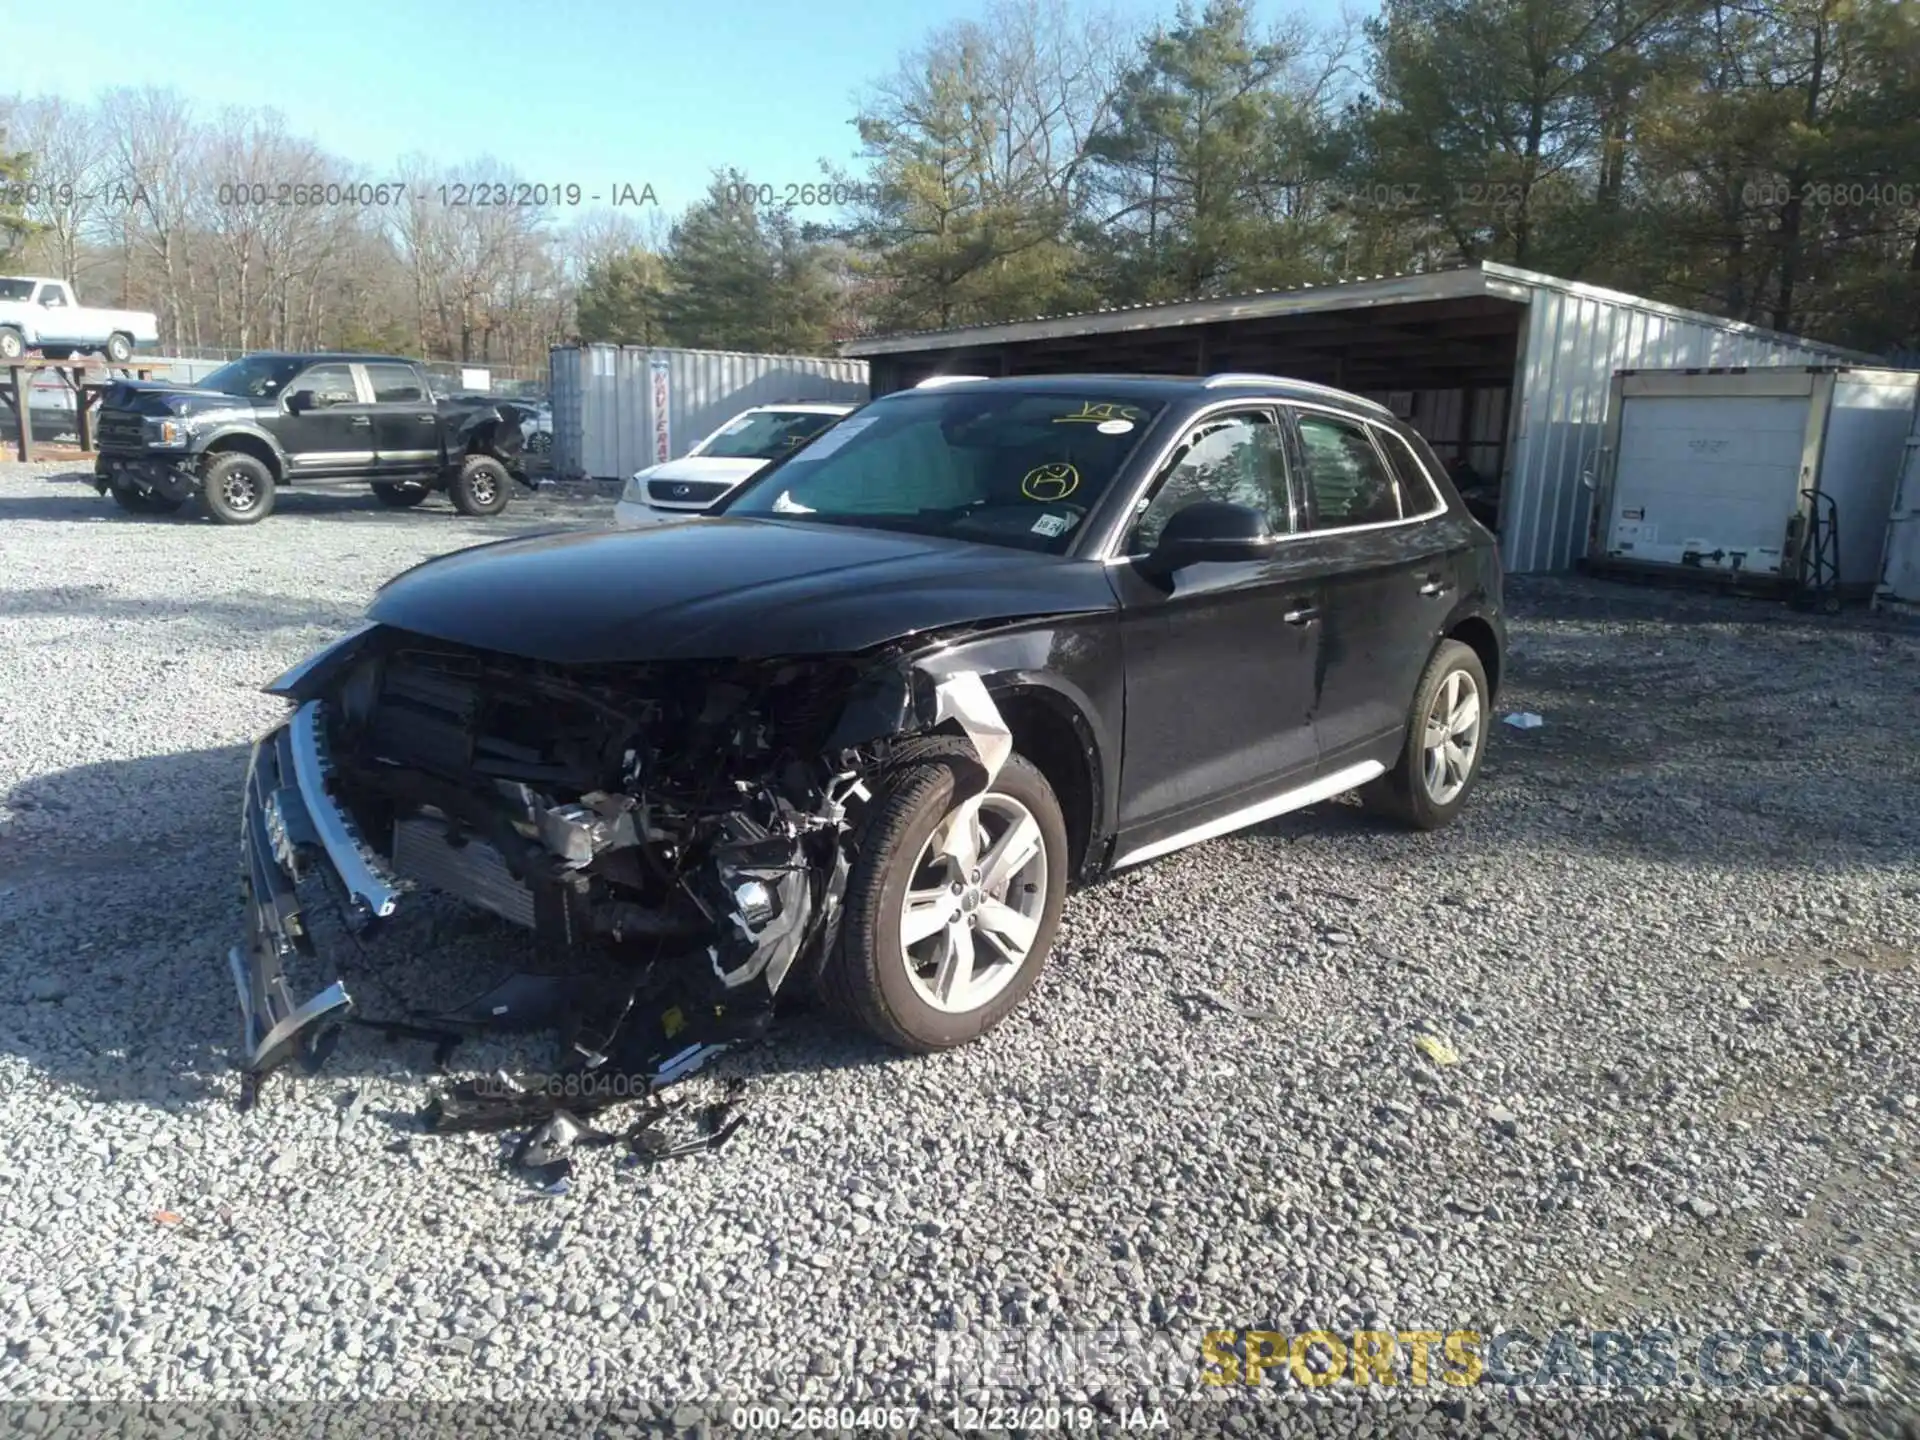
<point>119,349</point>
<point>135,501</point>
<point>481,486</point>
<point>1409,793</point>
<point>13,345</point>
<point>400,497</point>
<point>238,489</point>
<point>890,986</point>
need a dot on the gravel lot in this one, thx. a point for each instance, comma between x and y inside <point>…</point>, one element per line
<point>1673,944</point>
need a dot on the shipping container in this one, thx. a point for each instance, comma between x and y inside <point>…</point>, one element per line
<point>621,408</point>
<point>1777,479</point>
<point>1900,567</point>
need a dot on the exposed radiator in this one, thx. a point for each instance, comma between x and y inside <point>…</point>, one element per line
<point>472,871</point>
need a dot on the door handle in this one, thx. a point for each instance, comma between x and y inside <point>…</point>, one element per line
<point>424,419</point>
<point>1305,615</point>
<point>1434,586</point>
<point>362,419</point>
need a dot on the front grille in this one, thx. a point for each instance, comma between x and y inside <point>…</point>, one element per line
<point>120,430</point>
<point>686,494</point>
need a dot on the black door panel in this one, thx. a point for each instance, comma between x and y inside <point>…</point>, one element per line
<point>406,422</point>
<point>325,428</point>
<point>1221,657</point>
<point>1220,685</point>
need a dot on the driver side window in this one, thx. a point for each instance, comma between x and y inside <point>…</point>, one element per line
<point>1236,458</point>
<point>329,384</point>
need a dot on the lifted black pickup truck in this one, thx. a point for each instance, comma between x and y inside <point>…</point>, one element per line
<point>306,420</point>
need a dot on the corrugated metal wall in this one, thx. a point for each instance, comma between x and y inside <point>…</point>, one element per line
<point>620,408</point>
<point>1572,346</point>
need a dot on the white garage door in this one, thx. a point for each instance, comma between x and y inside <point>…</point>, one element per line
<point>1707,475</point>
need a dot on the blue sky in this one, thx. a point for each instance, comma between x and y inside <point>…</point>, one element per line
<point>593,92</point>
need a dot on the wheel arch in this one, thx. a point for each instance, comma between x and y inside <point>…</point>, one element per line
<point>1051,732</point>
<point>245,442</point>
<point>1477,633</point>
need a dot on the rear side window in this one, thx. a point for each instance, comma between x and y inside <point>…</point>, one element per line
<point>395,385</point>
<point>1345,475</point>
<point>1417,492</point>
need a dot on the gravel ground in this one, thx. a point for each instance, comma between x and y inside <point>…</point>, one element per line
<point>1671,948</point>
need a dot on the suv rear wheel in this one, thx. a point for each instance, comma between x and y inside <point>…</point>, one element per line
<point>237,489</point>
<point>1446,737</point>
<point>481,486</point>
<point>950,910</point>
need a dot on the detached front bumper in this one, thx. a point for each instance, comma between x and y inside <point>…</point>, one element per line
<point>299,851</point>
<point>171,475</point>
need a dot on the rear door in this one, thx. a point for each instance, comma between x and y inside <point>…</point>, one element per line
<point>406,422</point>
<point>326,423</point>
<point>1389,581</point>
<point>1221,658</point>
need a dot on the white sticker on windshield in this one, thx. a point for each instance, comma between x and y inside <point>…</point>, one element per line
<point>787,505</point>
<point>1114,427</point>
<point>1051,525</point>
<point>831,441</point>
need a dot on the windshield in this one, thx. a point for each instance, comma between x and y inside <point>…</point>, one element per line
<point>1019,468</point>
<point>16,289</point>
<point>765,434</point>
<point>259,377</point>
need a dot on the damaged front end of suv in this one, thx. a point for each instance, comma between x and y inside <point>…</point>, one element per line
<point>692,822</point>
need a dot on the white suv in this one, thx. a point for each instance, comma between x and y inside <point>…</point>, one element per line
<point>681,489</point>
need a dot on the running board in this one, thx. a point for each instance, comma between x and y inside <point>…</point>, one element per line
<point>1324,788</point>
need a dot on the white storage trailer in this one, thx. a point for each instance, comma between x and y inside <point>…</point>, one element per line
<point>1777,479</point>
<point>621,408</point>
<point>1900,570</point>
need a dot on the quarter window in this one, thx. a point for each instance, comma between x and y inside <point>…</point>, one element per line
<point>395,385</point>
<point>1235,458</point>
<point>1349,482</point>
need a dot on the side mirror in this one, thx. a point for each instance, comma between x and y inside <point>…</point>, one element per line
<point>299,402</point>
<point>1210,532</point>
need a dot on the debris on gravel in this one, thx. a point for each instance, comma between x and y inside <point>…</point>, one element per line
<point>1667,961</point>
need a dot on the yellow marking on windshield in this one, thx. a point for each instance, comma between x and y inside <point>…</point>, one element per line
<point>1048,483</point>
<point>1093,414</point>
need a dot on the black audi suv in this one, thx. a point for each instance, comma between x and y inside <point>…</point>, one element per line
<point>857,731</point>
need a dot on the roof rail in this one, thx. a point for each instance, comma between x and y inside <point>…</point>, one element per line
<point>1254,378</point>
<point>934,381</point>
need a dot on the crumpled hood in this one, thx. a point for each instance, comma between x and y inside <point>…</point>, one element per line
<point>160,397</point>
<point>725,588</point>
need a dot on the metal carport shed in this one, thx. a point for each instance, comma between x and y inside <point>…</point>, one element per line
<point>1506,368</point>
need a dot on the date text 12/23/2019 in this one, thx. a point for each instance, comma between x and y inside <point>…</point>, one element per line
<point>486,194</point>
<point>966,1419</point>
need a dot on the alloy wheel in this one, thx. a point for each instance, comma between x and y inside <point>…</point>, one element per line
<point>1451,740</point>
<point>240,492</point>
<point>974,904</point>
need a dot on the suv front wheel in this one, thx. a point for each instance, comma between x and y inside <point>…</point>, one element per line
<point>950,909</point>
<point>1446,737</point>
<point>237,489</point>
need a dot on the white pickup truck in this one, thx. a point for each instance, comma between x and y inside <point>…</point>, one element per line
<point>39,314</point>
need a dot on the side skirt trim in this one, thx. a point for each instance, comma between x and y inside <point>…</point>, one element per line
<point>1312,793</point>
